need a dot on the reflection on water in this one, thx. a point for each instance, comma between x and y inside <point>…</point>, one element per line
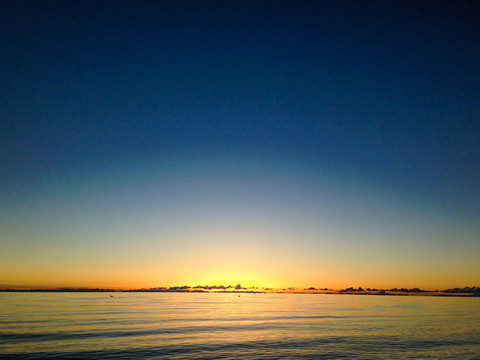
<point>253,326</point>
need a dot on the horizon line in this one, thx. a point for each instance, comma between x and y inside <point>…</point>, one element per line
<point>230,288</point>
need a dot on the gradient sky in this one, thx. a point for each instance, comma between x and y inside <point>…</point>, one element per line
<point>268,143</point>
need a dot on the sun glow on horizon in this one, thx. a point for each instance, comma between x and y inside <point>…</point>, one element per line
<point>220,222</point>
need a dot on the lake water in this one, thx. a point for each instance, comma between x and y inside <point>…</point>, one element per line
<point>226,326</point>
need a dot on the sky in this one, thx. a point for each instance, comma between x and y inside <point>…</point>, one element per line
<point>267,143</point>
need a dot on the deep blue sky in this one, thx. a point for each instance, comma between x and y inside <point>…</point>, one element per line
<point>389,88</point>
<point>383,91</point>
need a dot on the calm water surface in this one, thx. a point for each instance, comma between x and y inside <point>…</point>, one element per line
<point>226,326</point>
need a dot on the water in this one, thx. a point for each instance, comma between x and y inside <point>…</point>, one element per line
<point>226,326</point>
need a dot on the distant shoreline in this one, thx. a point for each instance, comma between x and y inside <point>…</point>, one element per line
<point>446,293</point>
